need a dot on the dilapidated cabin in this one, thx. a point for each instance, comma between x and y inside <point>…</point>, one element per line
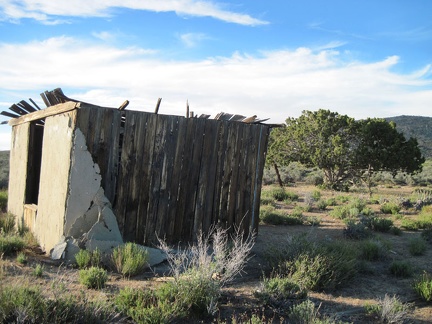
<point>90,174</point>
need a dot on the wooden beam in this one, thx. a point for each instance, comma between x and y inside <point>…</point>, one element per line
<point>41,114</point>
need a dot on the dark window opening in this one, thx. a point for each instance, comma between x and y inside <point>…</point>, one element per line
<point>34,162</point>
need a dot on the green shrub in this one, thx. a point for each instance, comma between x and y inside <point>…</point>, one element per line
<point>21,258</point>
<point>322,204</point>
<point>331,202</point>
<point>342,212</point>
<point>372,250</point>
<point>10,244</point>
<point>7,223</point>
<point>194,288</point>
<point>278,289</point>
<point>86,259</point>
<point>38,271</point>
<point>145,306</point>
<point>83,259</point>
<point>305,313</point>
<point>356,230</point>
<point>424,221</point>
<point>417,246</point>
<point>423,286</point>
<point>409,224</point>
<point>342,198</point>
<point>358,203</point>
<point>389,310</point>
<point>26,304</point>
<point>316,195</point>
<point>279,194</point>
<point>311,220</point>
<point>395,230</point>
<point>427,234</point>
<point>323,267</point>
<point>93,277</point>
<point>390,208</point>
<point>379,224</point>
<point>401,269</point>
<point>266,201</point>
<point>129,259</point>
<point>280,218</point>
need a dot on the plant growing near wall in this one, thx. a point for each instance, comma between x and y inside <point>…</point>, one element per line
<point>93,277</point>
<point>129,259</point>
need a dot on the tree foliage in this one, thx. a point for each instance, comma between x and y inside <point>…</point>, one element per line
<point>344,149</point>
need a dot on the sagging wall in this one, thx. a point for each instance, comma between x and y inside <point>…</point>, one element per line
<point>18,168</point>
<point>89,221</point>
<point>54,178</point>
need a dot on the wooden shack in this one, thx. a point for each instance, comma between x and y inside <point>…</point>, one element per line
<point>75,165</point>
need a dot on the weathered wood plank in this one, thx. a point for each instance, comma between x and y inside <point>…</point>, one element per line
<point>178,136</point>
<point>124,177</point>
<point>207,180</point>
<point>146,167</point>
<point>181,230</point>
<point>40,114</point>
<point>235,169</point>
<point>166,196</point>
<point>154,220</point>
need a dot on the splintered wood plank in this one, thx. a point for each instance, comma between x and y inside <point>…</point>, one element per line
<point>262,141</point>
<point>191,189</point>
<point>145,177</point>
<point>167,197</point>
<point>127,161</point>
<point>250,178</point>
<point>242,209</point>
<point>220,168</point>
<point>40,114</point>
<point>235,165</point>
<point>153,217</point>
<point>133,208</point>
<point>206,181</point>
<point>181,230</point>
<point>174,182</point>
<point>227,172</point>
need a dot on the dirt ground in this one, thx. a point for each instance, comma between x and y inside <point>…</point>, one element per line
<point>238,300</point>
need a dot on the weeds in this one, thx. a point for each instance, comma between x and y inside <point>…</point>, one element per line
<point>10,244</point>
<point>203,269</point>
<point>94,277</point>
<point>417,246</point>
<point>390,208</point>
<point>278,290</point>
<point>7,223</point>
<point>390,310</point>
<point>86,259</point>
<point>129,259</point>
<point>401,269</point>
<point>21,258</point>
<point>26,304</point>
<point>38,271</point>
<point>423,286</point>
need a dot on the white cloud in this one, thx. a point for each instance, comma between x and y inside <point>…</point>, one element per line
<point>275,84</point>
<point>192,39</point>
<point>47,10</point>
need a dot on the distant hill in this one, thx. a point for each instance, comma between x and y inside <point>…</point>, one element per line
<point>418,127</point>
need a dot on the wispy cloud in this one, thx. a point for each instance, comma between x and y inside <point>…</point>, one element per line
<point>192,39</point>
<point>48,11</point>
<point>275,84</point>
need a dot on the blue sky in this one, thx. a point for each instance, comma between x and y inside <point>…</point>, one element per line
<point>273,59</point>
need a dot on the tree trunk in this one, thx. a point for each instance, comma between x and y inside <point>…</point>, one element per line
<point>278,175</point>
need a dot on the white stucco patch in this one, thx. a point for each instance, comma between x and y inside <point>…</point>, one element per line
<point>84,181</point>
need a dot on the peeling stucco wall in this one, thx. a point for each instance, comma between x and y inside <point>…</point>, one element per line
<point>89,221</point>
<point>53,188</point>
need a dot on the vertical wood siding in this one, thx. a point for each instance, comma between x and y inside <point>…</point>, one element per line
<point>173,177</point>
